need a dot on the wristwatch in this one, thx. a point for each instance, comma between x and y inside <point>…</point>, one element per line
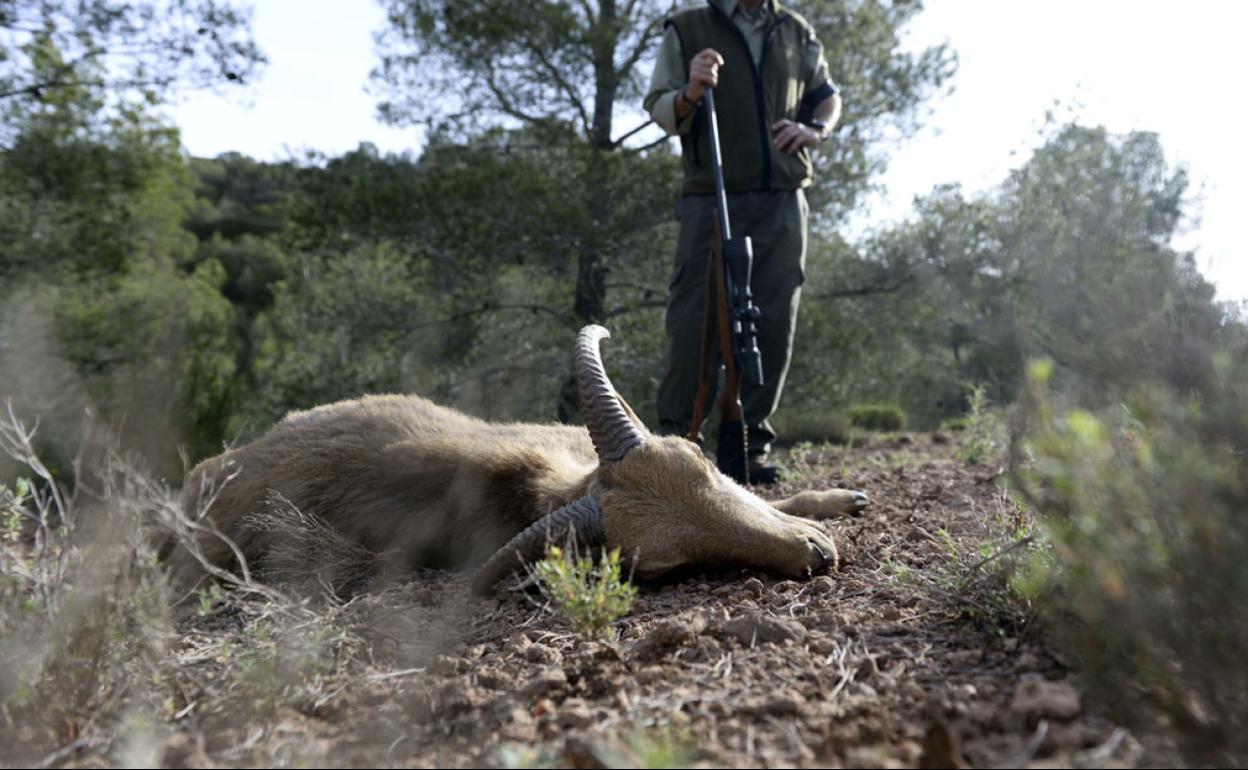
<point>819,125</point>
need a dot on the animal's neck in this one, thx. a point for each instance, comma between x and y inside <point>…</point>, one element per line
<point>565,479</point>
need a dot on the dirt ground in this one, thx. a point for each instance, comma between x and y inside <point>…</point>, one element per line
<point>907,655</point>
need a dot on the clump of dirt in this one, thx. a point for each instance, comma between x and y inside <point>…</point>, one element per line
<point>893,660</point>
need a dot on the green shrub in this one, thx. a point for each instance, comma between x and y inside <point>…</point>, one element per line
<point>592,596</point>
<point>813,426</point>
<point>1146,508</point>
<point>877,417</point>
<point>982,434</point>
<point>955,424</point>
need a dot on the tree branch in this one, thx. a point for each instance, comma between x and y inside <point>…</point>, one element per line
<point>617,142</point>
<point>488,308</point>
<point>504,104</point>
<point>574,99</point>
<point>626,309</point>
<point>639,50</point>
<point>865,291</point>
<point>646,146</point>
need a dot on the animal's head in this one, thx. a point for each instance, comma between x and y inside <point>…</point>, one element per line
<point>661,502</point>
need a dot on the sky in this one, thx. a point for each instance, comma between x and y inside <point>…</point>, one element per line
<point>1173,68</point>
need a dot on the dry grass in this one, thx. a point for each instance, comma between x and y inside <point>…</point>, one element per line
<point>98,657</point>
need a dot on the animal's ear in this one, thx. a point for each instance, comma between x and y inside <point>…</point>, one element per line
<point>641,426</point>
<point>612,425</point>
<point>581,519</point>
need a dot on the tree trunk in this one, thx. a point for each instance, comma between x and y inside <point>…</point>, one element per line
<point>590,301</point>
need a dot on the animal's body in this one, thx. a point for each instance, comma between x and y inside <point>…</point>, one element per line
<point>428,486</point>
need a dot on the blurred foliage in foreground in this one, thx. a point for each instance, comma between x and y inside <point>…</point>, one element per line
<point>1145,504</point>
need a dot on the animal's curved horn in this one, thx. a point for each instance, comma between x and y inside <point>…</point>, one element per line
<point>612,425</point>
<point>582,518</point>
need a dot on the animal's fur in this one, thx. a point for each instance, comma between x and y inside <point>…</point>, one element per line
<point>431,487</point>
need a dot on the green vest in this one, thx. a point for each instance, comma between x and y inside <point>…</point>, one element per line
<point>748,100</point>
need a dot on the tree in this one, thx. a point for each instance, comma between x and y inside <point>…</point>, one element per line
<point>122,50</point>
<point>1069,258</point>
<point>92,246</point>
<point>558,75</point>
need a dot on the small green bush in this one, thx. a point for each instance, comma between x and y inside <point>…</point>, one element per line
<point>982,434</point>
<point>888,417</point>
<point>592,596</point>
<point>955,424</point>
<point>813,426</point>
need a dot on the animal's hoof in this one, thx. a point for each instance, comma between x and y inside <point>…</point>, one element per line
<point>820,559</point>
<point>859,503</point>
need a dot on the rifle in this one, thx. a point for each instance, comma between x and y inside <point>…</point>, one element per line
<point>731,316</point>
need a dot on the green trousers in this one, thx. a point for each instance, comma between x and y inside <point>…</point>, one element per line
<point>775,221</point>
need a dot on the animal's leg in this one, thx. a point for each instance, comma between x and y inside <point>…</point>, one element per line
<point>828,504</point>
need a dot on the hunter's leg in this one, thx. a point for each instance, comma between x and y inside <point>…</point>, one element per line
<point>778,232</point>
<point>686,300</point>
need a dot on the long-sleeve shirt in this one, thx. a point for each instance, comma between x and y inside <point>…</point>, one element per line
<point>670,66</point>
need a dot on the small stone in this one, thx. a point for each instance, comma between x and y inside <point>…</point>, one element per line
<point>674,632</point>
<point>824,646</point>
<point>457,697</point>
<point>540,653</point>
<point>417,705</point>
<point>581,753</point>
<point>493,679</point>
<point>652,675</point>
<point>785,703</point>
<point>185,750</point>
<point>575,713</point>
<point>784,587</point>
<point>518,725</point>
<point>446,665</point>
<point>754,587</point>
<point>762,629</point>
<point>823,585</point>
<point>543,706</point>
<point>964,659</point>
<point>591,652</point>
<point>1036,698</point>
<point>545,682</point>
<point>941,748</point>
<point>517,643</point>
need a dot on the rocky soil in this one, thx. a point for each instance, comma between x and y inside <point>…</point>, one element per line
<point>912,653</point>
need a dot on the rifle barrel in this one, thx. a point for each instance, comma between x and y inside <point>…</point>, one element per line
<point>721,198</point>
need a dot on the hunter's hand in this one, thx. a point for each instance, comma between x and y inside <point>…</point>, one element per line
<point>790,136</point>
<point>703,73</point>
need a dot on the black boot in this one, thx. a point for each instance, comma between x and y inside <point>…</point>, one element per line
<point>762,474</point>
